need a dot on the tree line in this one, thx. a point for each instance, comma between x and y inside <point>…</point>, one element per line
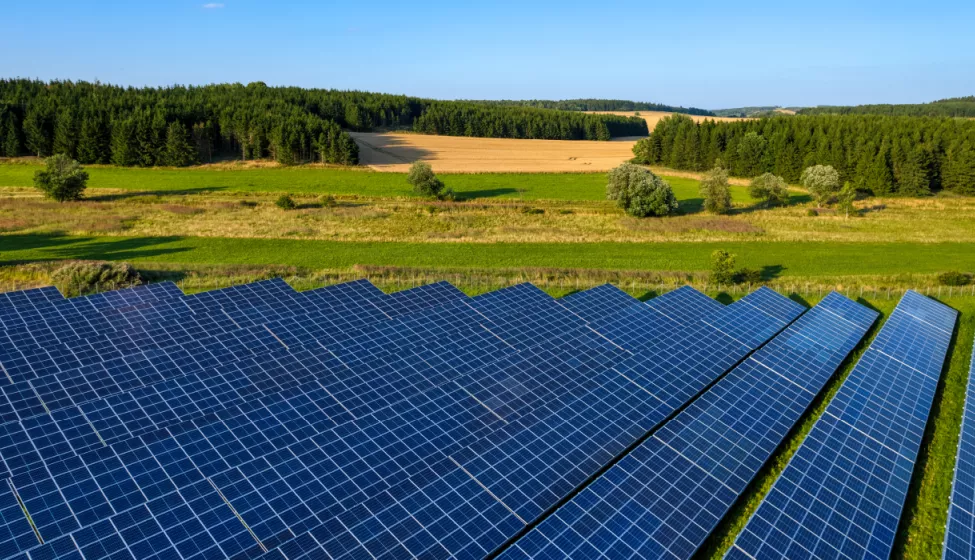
<point>600,105</point>
<point>455,118</point>
<point>883,155</point>
<point>182,125</point>
<point>954,107</point>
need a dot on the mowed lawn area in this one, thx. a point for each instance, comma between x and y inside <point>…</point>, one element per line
<point>337,181</point>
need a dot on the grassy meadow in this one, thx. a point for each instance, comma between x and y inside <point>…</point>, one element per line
<point>210,226</point>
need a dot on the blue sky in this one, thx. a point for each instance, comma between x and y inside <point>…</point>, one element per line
<point>705,54</point>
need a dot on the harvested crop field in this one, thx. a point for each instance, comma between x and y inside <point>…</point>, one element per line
<point>460,154</point>
<point>653,117</point>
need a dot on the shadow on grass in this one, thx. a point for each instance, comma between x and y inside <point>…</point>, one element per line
<point>771,271</point>
<point>690,205</point>
<point>57,246</point>
<point>485,193</point>
<point>162,192</point>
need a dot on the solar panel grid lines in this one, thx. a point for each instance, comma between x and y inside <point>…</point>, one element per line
<point>524,412</point>
<point>499,485</point>
<point>771,303</point>
<point>685,304</point>
<point>663,499</point>
<point>423,296</point>
<point>250,342</point>
<point>841,494</point>
<point>597,303</point>
<point>959,540</point>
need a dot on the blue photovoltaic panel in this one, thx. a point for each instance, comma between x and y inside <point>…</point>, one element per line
<point>664,498</point>
<point>401,303</point>
<point>772,303</point>
<point>684,304</point>
<point>526,468</point>
<point>597,303</point>
<point>960,531</point>
<point>288,443</point>
<point>842,493</point>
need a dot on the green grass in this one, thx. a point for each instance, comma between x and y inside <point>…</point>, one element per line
<point>775,258</point>
<point>360,182</point>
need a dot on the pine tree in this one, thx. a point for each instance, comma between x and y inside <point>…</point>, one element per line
<point>35,132</point>
<point>958,174</point>
<point>125,145</point>
<point>179,152</point>
<point>65,133</point>
<point>93,140</point>
<point>11,140</point>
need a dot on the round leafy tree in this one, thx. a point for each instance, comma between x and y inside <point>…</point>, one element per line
<point>770,189</point>
<point>822,181</point>
<point>639,192</point>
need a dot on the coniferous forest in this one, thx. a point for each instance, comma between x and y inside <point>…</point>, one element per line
<point>600,105</point>
<point>183,125</point>
<point>884,155</point>
<point>954,107</point>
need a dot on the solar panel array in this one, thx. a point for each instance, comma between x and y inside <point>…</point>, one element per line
<point>960,530</point>
<point>256,420</point>
<point>842,493</point>
<point>665,497</point>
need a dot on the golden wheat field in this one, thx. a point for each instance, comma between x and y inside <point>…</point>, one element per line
<point>460,154</point>
<point>653,117</point>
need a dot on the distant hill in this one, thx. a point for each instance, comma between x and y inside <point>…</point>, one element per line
<point>599,105</point>
<point>954,107</point>
<point>763,111</point>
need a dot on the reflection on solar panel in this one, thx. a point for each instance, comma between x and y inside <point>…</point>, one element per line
<point>960,531</point>
<point>342,421</point>
<point>841,494</point>
<point>665,497</point>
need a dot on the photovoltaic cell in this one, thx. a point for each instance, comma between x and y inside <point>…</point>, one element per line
<point>664,498</point>
<point>597,303</point>
<point>960,530</point>
<point>842,493</point>
<point>312,440</point>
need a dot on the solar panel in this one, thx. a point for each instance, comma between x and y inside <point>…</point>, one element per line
<point>527,468</point>
<point>685,304</point>
<point>401,303</point>
<point>841,494</point>
<point>959,541</point>
<point>665,497</point>
<point>597,303</point>
<point>275,445</point>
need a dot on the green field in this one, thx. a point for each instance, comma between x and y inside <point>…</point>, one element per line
<point>211,226</point>
<point>355,182</point>
<point>786,259</point>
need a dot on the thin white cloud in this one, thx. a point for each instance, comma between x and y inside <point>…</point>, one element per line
<point>213,6</point>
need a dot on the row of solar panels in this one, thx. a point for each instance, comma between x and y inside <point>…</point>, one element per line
<point>443,426</point>
<point>546,338</point>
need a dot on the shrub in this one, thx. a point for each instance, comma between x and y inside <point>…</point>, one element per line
<point>748,276</point>
<point>80,278</point>
<point>770,189</point>
<point>812,212</point>
<point>62,179</point>
<point>954,278</point>
<point>424,181</point>
<point>722,267</point>
<point>715,191</point>
<point>328,201</point>
<point>530,210</point>
<point>566,212</point>
<point>822,181</point>
<point>285,202</point>
<point>639,192</point>
<point>249,203</point>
